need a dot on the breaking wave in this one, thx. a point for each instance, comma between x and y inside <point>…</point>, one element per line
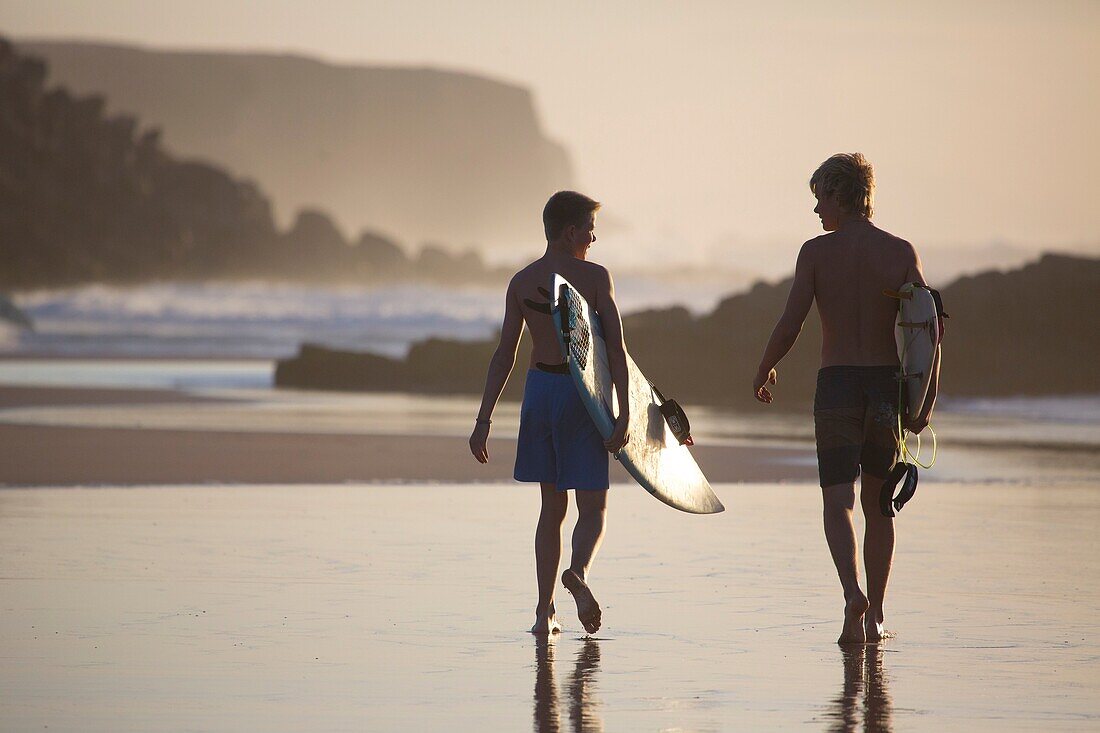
<point>259,320</point>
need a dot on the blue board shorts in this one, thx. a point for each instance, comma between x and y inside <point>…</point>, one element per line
<point>856,422</point>
<point>558,442</point>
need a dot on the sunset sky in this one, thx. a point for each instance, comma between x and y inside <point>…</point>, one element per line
<point>699,123</point>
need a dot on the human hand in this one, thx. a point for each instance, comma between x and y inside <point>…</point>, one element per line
<point>760,386</point>
<point>916,424</point>
<point>619,436</point>
<point>478,439</point>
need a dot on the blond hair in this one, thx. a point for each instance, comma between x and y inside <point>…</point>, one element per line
<point>849,177</point>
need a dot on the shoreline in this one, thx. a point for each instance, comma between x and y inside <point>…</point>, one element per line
<point>63,456</point>
<point>48,455</point>
<point>121,436</point>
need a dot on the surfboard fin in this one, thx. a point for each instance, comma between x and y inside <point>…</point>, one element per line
<point>534,305</point>
<point>562,368</point>
<point>537,307</point>
<point>896,295</point>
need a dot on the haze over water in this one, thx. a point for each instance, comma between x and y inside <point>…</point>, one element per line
<point>699,126</point>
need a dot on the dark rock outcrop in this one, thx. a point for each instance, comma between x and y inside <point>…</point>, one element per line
<point>432,366</point>
<point>87,197</point>
<point>10,313</point>
<point>1020,332</point>
<point>424,153</point>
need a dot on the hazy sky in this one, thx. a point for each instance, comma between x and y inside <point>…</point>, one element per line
<point>699,123</point>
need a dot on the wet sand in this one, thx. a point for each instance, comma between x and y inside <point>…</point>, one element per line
<point>90,437</point>
<point>391,586</point>
<point>371,607</point>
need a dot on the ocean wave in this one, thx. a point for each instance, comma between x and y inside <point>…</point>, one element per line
<point>248,319</point>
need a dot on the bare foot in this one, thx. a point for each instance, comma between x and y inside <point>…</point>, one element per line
<point>588,611</point>
<point>872,624</point>
<point>546,625</point>
<point>853,631</point>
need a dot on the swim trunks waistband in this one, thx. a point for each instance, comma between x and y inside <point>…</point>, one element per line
<point>852,369</point>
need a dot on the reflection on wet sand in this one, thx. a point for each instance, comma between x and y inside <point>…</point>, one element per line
<point>547,719</point>
<point>584,707</point>
<point>863,677</point>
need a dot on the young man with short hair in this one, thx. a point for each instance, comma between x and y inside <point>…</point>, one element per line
<point>856,404</point>
<point>559,446</point>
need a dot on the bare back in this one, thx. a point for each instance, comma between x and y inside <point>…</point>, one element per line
<point>850,269</point>
<point>530,289</point>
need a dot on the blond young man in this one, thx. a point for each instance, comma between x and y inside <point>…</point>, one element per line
<point>559,446</point>
<point>856,403</point>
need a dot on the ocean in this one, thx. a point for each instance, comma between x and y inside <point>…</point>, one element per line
<point>253,320</point>
<point>224,338</point>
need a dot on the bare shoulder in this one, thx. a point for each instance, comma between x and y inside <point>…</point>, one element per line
<point>520,283</point>
<point>595,276</point>
<point>525,275</point>
<point>811,247</point>
<point>594,269</point>
<point>594,282</point>
<point>896,243</point>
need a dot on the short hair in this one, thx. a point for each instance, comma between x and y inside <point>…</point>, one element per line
<point>565,208</point>
<point>849,177</point>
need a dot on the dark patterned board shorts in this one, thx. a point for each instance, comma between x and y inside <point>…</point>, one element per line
<point>856,422</point>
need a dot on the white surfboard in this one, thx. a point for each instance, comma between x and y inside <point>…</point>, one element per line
<point>917,333</point>
<point>652,455</point>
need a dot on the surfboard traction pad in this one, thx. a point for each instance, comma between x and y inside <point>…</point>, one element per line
<point>917,334</point>
<point>652,455</point>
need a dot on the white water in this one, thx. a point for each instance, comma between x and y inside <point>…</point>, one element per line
<point>185,374</point>
<point>262,320</point>
<point>226,336</point>
<point>245,320</point>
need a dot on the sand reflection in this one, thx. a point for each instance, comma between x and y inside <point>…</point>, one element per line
<point>583,705</point>
<point>864,699</point>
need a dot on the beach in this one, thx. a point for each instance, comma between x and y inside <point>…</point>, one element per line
<point>196,559</point>
<point>89,436</point>
<point>262,264</point>
<point>405,606</point>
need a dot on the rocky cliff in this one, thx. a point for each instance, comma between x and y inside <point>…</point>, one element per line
<point>86,196</point>
<point>422,154</point>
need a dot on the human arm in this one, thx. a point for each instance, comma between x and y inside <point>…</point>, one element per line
<point>916,424</point>
<point>616,358</point>
<point>500,368</point>
<point>915,271</point>
<point>789,325</point>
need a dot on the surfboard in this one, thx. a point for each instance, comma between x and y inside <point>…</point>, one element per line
<point>917,334</point>
<point>652,456</point>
